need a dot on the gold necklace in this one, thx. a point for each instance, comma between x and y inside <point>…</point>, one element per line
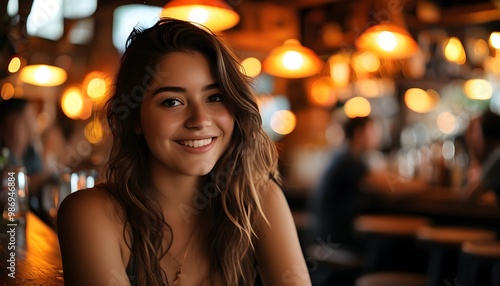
<point>179,273</point>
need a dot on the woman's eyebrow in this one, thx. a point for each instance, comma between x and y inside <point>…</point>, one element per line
<point>169,88</point>
<point>210,86</point>
<point>181,89</point>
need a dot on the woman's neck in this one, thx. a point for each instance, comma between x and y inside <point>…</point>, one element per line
<point>176,194</point>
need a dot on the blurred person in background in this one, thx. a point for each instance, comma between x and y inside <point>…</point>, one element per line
<point>337,198</point>
<point>18,134</point>
<point>483,141</point>
<point>349,187</point>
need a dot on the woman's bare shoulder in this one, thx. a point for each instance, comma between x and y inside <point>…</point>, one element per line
<point>91,238</point>
<point>95,204</point>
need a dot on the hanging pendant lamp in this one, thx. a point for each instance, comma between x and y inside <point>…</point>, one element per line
<point>213,14</point>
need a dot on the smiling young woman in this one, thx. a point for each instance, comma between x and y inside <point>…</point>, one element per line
<point>191,194</point>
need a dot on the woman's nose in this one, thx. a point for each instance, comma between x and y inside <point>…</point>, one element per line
<point>198,117</point>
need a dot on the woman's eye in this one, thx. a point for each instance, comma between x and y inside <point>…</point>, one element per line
<point>215,98</point>
<point>171,102</point>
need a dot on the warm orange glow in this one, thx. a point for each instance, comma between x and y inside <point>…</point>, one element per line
<point>454,51</point>
<point>421,101</point>
<point>368,88</point>
<point>7,91</point>
<point>86,109</point>
<point>322,92</point>
<point>387,41</point>
<point>340,70</point>
<point>214,14</point>
<point>93,131</point>
<point>447,122</point>
<point>292,60</point>
<point>479,89</point>
<point>283,122</point>
<point>367,61</point>
<point>43,75</point>
<point>357,107</point>
<point>481,49</point>
<point>251,66</point>
<point>14,65</point>
<point>96,85</point>
<point>495,40</point>
<point>72,102</point>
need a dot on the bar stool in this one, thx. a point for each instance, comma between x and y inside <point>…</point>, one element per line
<point>387,238</point>
<point>479,263</point>
<point>391,279</point>
<point>332,265</point>
<point>444,246</point>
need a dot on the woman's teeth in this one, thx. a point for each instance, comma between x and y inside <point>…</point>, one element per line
<point>196,143</point>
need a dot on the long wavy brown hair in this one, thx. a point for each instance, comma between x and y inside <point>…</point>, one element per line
<point>233,188</point>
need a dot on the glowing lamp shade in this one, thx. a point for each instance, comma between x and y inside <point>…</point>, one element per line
<point>213,14</point>
<point>292,60</point>
<point>43,75</point>
<point>387,41</point>
<point>357,107</point>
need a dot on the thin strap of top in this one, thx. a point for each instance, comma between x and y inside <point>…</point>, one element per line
<point>132,270</point>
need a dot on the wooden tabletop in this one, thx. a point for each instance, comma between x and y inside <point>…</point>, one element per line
<point>37,255</point>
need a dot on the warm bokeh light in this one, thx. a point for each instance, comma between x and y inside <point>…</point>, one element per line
<point>495,40</point>
<point>454,51</point>
<point>86,109</point>
<point>481,50</point>
<point>7,91</point>
<point>357,107</point>
<point>292,60</point>
<point>447,122</point>
<point>251,66</point>
<point>43,75</point>
<point>93,131</point>
<point>421,101</point>
<point>367,88</point>
<point>479,89</point>
<point>96,85</point>
<point>367,61</point>
<point>340,70</point>
<point>283,122</point>
<point>198,15</point>
<point>322,92</point>
<point>14,64</point>
<point>387,41</point>
<point>72,102</point>
<point>214,14</point>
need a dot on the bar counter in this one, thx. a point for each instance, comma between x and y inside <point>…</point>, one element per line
<point>443,206</point>
<point>37,255</point>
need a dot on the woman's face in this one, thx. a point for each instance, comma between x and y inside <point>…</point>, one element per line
<point>184,119</point>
